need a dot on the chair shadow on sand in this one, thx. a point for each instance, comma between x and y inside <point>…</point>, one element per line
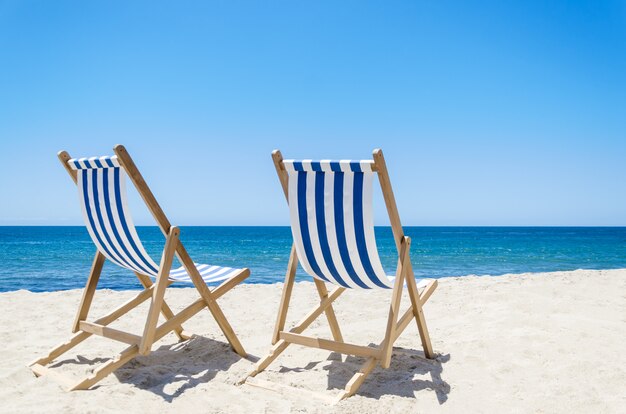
<point>403,378</point>
<point>172,369</point>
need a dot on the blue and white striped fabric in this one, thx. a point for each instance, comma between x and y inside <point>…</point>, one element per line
<point>101,186</point>
<point>330,204</point>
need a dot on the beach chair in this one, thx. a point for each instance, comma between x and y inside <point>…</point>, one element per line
<point>330,205</point>
<point>102,194</point>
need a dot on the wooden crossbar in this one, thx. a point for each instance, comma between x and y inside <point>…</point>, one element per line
<point>407,317</point>
<point>105,320</point>
<point>40,370</point>
<point>106,368</point>
<point>404,321</point>
<point>165,309</point>
<point>327,344</point>
<point>110,333</point>
<point>281,345</point>
<point>179,318</point>
<point>288,390</point>
<point>315,313</point>
<point>428,290</point>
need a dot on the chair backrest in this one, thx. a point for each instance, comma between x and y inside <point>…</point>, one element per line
<point>101,183</point>
<point>330,204</point>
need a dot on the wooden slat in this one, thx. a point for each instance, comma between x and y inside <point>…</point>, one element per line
<point>105,331</point>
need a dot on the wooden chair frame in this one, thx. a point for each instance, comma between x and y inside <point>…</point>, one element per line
<point>396,324</point>
<point>152,332</point>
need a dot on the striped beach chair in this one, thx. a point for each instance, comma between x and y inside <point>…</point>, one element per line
<point>101,184</point>
<point>330,206</point>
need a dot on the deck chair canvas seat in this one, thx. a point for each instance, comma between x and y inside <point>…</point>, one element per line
<point>331,216</point>
<point>101,184</point>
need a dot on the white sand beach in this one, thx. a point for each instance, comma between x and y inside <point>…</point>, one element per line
<point>544,342</point>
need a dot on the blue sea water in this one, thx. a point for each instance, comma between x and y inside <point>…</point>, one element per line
<point>57,258</point>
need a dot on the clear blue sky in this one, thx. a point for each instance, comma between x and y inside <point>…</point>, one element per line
<point>489,113</point>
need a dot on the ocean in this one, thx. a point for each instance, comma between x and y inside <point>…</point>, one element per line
<point>58,258</point>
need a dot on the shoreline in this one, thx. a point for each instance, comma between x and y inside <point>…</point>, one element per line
<point>245,282</point>
<point>516,342</point>
<point>48,259</point>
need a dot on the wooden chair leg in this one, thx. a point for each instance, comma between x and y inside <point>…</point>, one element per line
<point>286,297</point>
<point>107,368</point>
<point>357,380</point>
<point>166,311</point>
<point>304,323</point>
<point>330,313</point>
<point>417,304</point>
<point>210,301</point>
<point>394,307</point>
<point>60,349</point>
<point>424,336</point>
<point>265,362</point>
<point>290,278</point>
<point>81,336</point>
<point>159,291</point>
<point>226,328</point>
<point>90,289</point>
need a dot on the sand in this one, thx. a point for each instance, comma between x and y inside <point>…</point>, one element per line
<point>549,342</point>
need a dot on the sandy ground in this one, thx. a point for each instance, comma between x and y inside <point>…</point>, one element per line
<point>551,342</point>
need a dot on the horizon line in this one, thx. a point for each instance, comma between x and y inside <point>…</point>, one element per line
<point>404,225</point>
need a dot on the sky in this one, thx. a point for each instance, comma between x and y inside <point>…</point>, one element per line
<point>488,113</point>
